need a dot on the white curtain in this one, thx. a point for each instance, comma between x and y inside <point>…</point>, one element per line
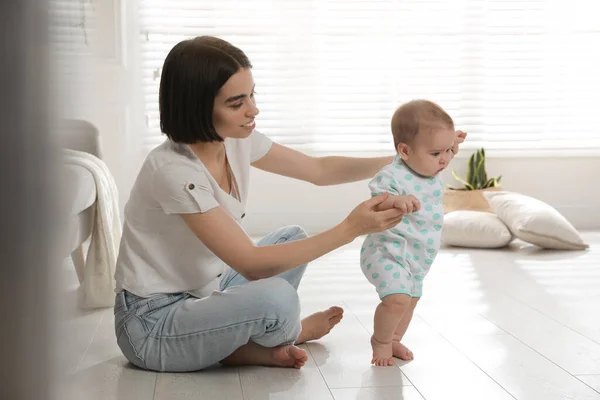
<point>514,74</point>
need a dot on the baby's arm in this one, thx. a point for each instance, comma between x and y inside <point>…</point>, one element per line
<point>406,203</point>
<point>387,204</point>
<point>460,137</point>
<point>384,182</point>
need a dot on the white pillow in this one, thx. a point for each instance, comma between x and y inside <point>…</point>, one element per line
<point>534,221</point>
<point>474,229</point>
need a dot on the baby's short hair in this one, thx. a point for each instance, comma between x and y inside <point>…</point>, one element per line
<point>418,116</point>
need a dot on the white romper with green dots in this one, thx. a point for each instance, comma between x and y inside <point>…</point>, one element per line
<point>397,260</point>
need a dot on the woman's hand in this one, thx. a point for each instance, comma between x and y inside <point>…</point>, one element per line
<point>365,219</point>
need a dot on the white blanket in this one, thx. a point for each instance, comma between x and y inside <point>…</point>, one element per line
<point>98,283</point>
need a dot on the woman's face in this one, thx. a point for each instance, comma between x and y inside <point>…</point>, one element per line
<point>235,108</point>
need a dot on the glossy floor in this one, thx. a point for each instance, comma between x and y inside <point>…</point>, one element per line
<point>518,323</point>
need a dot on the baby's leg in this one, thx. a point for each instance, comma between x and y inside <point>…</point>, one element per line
<point>388,315</point>
<point>398,349</point>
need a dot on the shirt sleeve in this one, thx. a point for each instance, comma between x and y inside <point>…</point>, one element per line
<point>260,145</point>
<point>183,189</point>
<point>385,181</point>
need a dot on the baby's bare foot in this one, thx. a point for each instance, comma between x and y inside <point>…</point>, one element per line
<point>317,325</point>
<point>401,351</point>
<point>382,353</point>
<point>289,356</point>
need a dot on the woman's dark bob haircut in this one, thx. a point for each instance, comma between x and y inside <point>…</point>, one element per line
<point>192,75</point>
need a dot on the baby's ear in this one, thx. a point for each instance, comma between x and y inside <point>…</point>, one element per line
<point>402,150</point>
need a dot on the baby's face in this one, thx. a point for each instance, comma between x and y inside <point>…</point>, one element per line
<point>431,152</point>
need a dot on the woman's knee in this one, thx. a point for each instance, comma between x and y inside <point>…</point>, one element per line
<point>291,233</point>
<point>279,304</point>
<point>277,295</point>
<point>282,235</point>
<point>296,232</point>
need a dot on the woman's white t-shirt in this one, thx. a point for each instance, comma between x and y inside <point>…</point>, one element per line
<point>159,253</point>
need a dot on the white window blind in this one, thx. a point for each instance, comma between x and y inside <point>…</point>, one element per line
<point>71,26</point>
<point>515,74</point>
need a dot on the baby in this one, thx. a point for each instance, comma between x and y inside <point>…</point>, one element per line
<point>396,261</point>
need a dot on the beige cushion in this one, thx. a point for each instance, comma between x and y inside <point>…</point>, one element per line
<point>534,221</point>
<point>474,229</point>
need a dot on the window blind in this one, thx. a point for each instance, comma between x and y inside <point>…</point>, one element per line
<point>71,29</point>
<point>514,74</point>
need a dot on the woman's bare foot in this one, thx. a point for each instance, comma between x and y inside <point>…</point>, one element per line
<point>317,325</point>
<point>254,354</point>
<point>289,356</point>
<point>382,353</point>
<point>401,351</point>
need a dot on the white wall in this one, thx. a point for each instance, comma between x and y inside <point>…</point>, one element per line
<point>103,91</point>
<point>568,183</point>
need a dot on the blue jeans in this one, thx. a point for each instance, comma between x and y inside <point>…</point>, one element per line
<point>178,332</point>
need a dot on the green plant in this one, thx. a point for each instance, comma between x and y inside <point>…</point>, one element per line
<point>476,174</point>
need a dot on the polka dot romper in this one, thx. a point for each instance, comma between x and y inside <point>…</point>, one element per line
<point>397,260</point>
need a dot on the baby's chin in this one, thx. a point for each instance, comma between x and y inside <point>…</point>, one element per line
<point>425,171</point>
<point>438,171</point>
<point>432,174</point>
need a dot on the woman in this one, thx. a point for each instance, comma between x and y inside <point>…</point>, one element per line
<point>192,288</point>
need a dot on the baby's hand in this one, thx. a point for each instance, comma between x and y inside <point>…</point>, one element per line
<point>460,137</point>
<point>407,204</point>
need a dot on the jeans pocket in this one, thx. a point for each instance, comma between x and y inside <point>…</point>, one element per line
<point>151,318</point>
<point>156,309</point>
<point>131,339</point>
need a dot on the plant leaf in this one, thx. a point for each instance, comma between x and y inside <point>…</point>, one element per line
<point>475,174</point>
<point>471,168</point>
<point>484,171</point>
<point>481,175</point>
<point>490,183</point>
<point>468,186</point>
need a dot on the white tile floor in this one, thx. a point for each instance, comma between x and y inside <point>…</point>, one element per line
<point>519,323</point>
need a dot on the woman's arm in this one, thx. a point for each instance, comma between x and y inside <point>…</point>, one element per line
<point>325,171</point>
<point>336,170</point>
<point>228,241</point>
<point>321,171</point>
